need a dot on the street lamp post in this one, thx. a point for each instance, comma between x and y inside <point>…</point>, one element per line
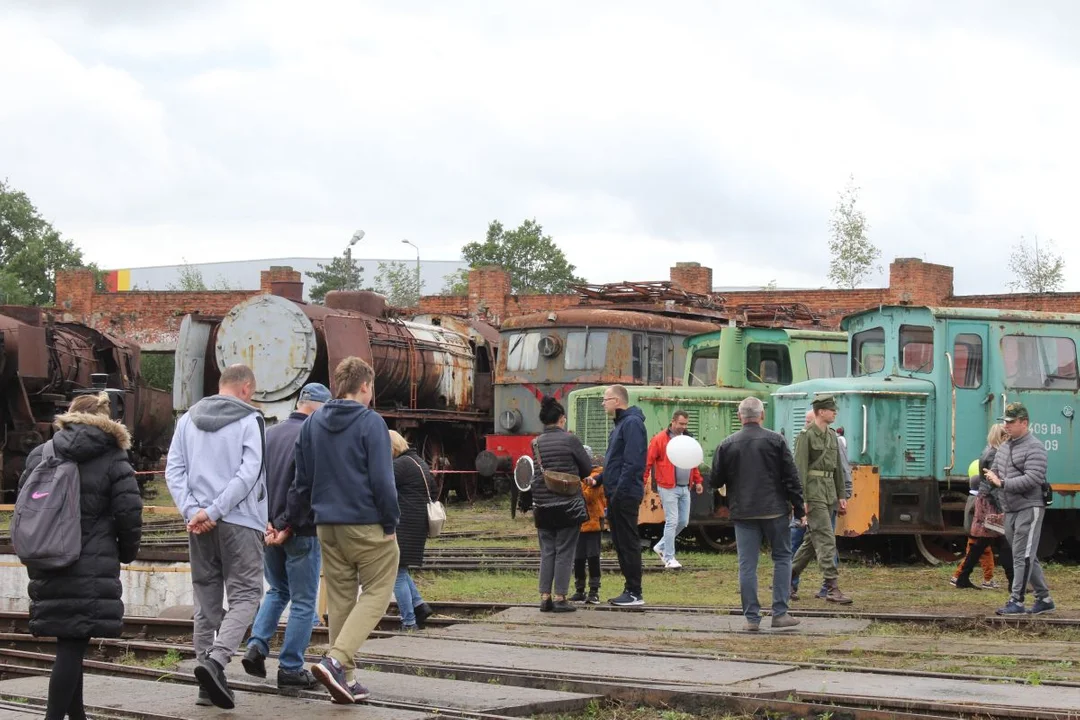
<point>417,267</point>
<point>357,237</point>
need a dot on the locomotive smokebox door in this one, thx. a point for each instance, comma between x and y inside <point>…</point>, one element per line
<point>523,473</point>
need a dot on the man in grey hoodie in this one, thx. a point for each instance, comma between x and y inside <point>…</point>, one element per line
<point>215,476</point>
<point>1020,469</point>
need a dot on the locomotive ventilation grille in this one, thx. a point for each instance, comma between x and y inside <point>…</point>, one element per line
<point>915,421</point>
<point>593,423</point>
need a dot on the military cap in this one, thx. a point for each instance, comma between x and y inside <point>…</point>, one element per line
<point>824,402</point>
<point>1015,411</point>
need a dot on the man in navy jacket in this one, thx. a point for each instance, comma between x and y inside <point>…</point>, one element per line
<point>345,473</point>
<point>624,485</point>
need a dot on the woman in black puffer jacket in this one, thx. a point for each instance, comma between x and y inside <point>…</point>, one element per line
<point>415,487</point>
<point>561,451</point>
<point>82,601</point>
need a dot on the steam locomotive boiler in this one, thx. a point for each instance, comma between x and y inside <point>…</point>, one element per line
<point>425,374</point>
<point>44,364</point>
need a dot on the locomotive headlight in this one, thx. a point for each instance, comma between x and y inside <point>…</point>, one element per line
<point>510,420</point>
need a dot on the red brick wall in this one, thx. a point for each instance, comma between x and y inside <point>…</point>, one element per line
<point>147,317</point>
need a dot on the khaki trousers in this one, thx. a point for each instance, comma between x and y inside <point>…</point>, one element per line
<point>355,556</point>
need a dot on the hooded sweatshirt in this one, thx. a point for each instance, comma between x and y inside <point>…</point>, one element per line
<point>345,468</point>
<point>216,462</point>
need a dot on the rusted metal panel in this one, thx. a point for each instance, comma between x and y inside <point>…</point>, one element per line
<point>864,506</point>
<point>345,335</point>
<point>606,318</point>
<point>33,354</point>
<point>189,362</point>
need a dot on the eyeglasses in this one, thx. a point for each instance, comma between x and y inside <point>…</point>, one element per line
<point>606,400</point>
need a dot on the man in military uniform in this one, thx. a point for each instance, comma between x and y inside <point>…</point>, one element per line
<point>817,457</point>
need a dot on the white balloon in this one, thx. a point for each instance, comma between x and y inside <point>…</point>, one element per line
<point>685,452</point>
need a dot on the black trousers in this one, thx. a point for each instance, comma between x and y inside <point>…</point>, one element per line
<point>66,682</point>
<point>978,547</point>
<point>623,519</point>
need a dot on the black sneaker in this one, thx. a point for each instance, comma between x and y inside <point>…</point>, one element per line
<point>211,677</point>
<point>422,611</point>
<point>563,606</point>
<point>579,596</point>
<point>301,679</point>
<point>254,662</point>
<point>203,699</point>
<point>627,599</point>
<point>546,605</point>
<point>594,598</point>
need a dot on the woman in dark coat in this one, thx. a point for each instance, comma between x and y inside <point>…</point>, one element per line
<point>82,601</point>
<point>415,487</point>
<point>558,450</point>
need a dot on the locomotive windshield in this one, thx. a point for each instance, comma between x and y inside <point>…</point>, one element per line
<point>867,351</point>
<point>1039,363</point>
<point>585,350</point>
<point>704,366</point>
<point>825,364</point>
<point>768,363</point>
<point>523,351</point>
<point>916,348</point>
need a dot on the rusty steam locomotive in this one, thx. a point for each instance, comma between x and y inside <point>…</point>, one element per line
<point>432,379</point>
<point>44,364</point>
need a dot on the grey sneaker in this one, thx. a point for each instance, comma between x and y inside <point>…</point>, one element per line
<point>752,626</point>
<point>301,679</point>
<point>211,677</point>
<point>359,692</point>
<point>784,621</point>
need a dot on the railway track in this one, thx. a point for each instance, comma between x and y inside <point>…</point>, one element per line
<point>134,657</point>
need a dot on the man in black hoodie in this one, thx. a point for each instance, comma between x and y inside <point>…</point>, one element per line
<point>624,485</point>
<point>291,560</point>
<point>345,473</point>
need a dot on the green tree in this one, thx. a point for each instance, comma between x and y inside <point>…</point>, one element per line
<point>533,260</point>
<point>1037,270</point>
<point>340,274</point>
<point>853,255</point>
<point>456,283</point>
<point>188,279</point>
<point>399,283</point>
<point>31,251</point>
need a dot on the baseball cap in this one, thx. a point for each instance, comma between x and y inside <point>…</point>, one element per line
<point>1015,411</point>
<point>315,392</point>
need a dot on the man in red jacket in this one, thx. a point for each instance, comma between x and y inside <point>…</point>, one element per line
<point>673,484</point>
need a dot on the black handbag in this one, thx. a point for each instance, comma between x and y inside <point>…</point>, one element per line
<point>560,514</point>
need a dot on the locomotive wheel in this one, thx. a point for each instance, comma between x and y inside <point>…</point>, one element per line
<point>716,537</point>
<point>938,549</point>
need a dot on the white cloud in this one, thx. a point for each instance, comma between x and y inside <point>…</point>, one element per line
<point>636,134</point>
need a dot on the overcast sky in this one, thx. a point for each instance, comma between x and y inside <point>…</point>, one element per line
<point>637,133</point>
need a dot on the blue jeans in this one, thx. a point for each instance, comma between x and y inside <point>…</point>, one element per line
<point>407,597</point>
<point>292,571</point>
<point>676,502</point>
<point>748,537</point>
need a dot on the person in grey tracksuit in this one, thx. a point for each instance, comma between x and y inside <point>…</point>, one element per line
<point>1020,470</point>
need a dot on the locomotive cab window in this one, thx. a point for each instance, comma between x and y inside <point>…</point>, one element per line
<point>703,367</point>
<point>523,351</point>
<point>585,350</point>
<point>967,360</point>
<point>1039,363</point>
<point>916,348</point>
<point>648,358</point>
<point>825,364</point>
<point>768,364</point>
<point>867,352</point>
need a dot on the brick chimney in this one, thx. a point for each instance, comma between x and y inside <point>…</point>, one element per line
<point>282,280</point>
<point>914,282</point>
<point>75,291</point>
<point>488,288</point>
<point>692,277</point>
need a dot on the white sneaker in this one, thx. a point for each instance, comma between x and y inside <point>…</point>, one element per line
<point>672,564</point>
<point>658,548</point>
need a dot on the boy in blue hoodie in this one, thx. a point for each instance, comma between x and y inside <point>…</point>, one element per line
<point>215,476</point>
<point>345,473</point>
